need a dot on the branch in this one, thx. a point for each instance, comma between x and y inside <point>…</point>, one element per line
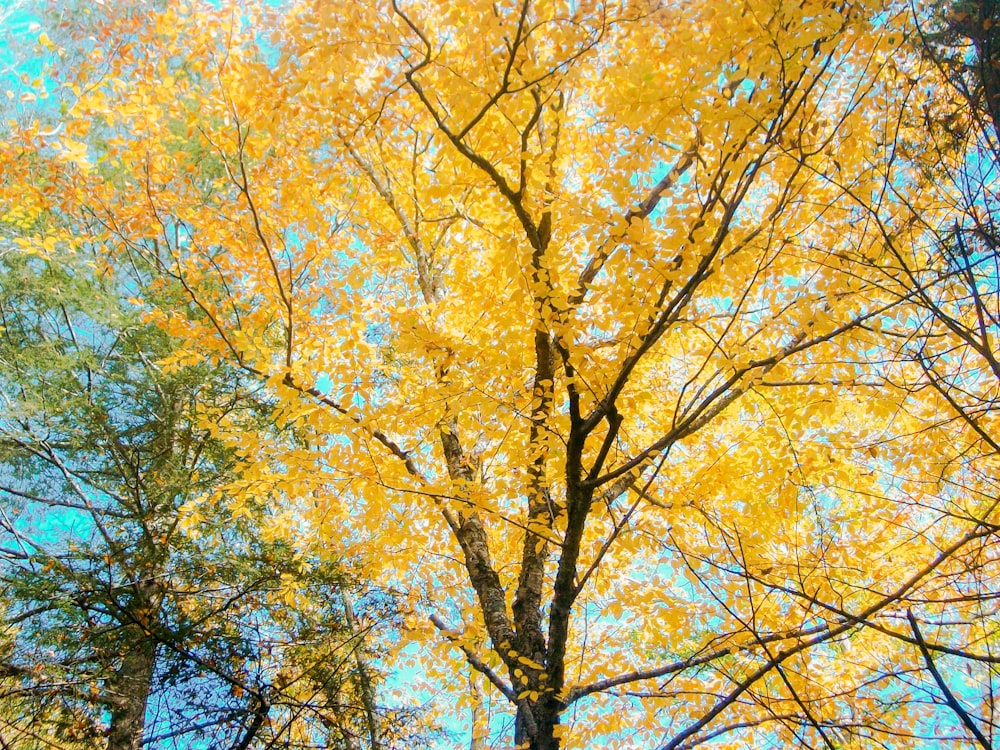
<point>725,394</point>
<point>644,209</point>
<point>474,661</point>
<point>678,666</point>
<point>734,727</point>
<point>948,695</point>
<point>830,632</point>
<point>263,707</point>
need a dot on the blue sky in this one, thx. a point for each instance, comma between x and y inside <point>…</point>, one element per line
<point>21,64</point>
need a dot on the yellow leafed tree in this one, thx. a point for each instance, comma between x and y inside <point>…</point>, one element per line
<point>587,317</point>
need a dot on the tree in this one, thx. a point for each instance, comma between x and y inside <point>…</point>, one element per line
<point>232,666</point>
<point>946,356</point>
<point>583,325</point>
<point>119,621</point>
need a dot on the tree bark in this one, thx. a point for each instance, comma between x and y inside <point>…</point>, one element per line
<point>128,690</point>
<point>535,724</point>
<point>365,681</point>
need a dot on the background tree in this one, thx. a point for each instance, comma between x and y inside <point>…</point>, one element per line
<point>233,666</point>
<point>580,314</point>
<point>945,361</point>
<point>121,622</point>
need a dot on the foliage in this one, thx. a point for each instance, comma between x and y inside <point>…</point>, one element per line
<point>947,350</point>
<point>614,336</point>
<point>121,622</point>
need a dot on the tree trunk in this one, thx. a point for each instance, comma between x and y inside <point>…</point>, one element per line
<point>128,690</point>
<point>365,682</point>
<point>535,725</point>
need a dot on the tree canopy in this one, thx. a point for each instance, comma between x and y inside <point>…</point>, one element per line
<point>119,620</point>
<point>644,351</point>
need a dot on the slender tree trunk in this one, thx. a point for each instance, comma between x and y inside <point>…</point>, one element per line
<point>364,673</point>
<point>128,690</point>
<point>480,718</point>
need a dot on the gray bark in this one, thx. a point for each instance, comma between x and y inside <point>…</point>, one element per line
<point>128,692</point>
